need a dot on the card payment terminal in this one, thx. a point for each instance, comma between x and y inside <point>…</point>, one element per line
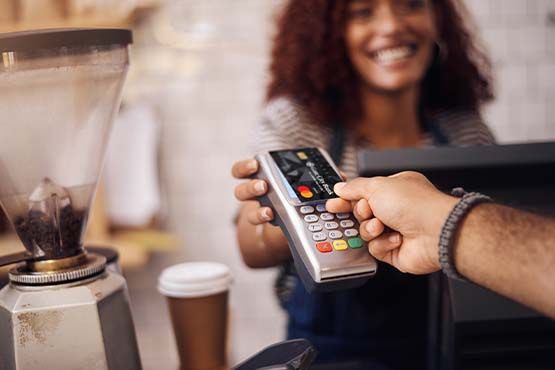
<point>327,249</point>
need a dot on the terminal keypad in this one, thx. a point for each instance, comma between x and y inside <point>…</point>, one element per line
<point>331,232</point>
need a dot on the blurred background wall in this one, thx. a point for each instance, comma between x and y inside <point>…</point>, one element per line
<point>520,36</point>
<point>199,68</point>
<point>202,64</point>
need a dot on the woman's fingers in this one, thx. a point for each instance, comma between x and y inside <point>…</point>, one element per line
<point>251,189</point>
<point>244,169</point>
<point>260,215</point>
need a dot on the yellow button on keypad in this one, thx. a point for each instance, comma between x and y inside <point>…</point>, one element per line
<point>339,245</point>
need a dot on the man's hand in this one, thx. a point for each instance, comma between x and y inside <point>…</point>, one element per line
<point>410,206</point>
<point>516,249</point>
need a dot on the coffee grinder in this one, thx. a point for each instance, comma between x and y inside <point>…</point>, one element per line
<point>59,92</point>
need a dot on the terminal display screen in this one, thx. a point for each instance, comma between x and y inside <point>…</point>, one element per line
<point>308,173</point>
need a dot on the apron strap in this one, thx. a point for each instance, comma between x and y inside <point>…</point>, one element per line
<point>337,144</point>
<point>337,140</point>
<point>440,139</point>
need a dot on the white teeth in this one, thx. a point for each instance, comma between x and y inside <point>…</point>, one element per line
<point>393,54</point>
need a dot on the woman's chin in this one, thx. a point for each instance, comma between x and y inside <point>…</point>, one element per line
<point>394,85</point>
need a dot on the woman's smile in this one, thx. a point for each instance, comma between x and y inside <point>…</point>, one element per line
<point>389,55</point>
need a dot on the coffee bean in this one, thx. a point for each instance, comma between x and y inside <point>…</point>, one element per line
<point>56,242</point>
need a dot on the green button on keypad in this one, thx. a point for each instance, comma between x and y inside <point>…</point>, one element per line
<point>355,243</point>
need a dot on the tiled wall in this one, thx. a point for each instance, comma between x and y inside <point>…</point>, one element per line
<point>208,89</point>
<point>521,37</point>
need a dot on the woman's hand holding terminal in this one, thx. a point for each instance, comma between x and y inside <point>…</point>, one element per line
<point>261,244</point>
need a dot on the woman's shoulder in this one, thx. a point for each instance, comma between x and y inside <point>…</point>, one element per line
<point>464,127</point>
<point>286,111</point>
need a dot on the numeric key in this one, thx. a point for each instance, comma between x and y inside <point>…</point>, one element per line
<point>331,225</point>
<point>351,232</point>
<point>315,227</point>
<point>307,209</point>
<point>319,237</point>
<point>311,218</point>
<point>327,216</point>
<point>347,223</point>
<point>336,234</point>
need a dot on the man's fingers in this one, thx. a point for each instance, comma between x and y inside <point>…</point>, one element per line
<point>251,189</point>
<point>359,188</point>
<point>362,210</point>
<point>371,229</point>
<point>409,175</point>
<point>260,216</point>
<point>339,206</point>
<point>244,169</point>
<point>383,246</point>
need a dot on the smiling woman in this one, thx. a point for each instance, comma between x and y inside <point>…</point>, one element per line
<point>390,43</point>
<point>355,74</point>
<point>329,44</point>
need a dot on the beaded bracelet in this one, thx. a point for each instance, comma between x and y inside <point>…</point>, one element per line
<point>450,227</point>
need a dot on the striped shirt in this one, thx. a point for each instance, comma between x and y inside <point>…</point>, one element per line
<point>285,124</point>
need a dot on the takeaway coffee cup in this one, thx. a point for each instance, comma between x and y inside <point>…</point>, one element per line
<point>197,295</point>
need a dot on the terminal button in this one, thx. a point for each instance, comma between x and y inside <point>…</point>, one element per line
<point>347,223</point>
<point>315,227</point>
<point>327,216</point>
<point>339,245</point>
<point>319,236</point>
<point>307,209</point>
<point>311,218</point>
<point>324,247</point>
<point>321,208</point>
<point>351,232</point>
<point>336,234</point>
<point>355,243</point>
<point>343,216</point>
<point>331,225</point>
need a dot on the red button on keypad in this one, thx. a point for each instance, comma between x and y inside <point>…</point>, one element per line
<point>324,247</point>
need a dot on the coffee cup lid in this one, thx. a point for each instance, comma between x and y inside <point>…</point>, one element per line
<point>194,279</point>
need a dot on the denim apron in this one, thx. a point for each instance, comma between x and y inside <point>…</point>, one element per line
<point>381,325</point>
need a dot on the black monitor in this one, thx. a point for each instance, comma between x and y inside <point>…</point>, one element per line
<point>471,327</point>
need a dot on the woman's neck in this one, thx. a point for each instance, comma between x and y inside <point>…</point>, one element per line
<point>390,120</point>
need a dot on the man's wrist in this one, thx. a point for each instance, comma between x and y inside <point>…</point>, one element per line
<point>451,227</point>
<point>444,206</point>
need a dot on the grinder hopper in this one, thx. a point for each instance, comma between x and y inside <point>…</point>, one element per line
<point>59,92</point>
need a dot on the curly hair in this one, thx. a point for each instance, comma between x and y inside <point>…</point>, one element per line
<point>310,62</point>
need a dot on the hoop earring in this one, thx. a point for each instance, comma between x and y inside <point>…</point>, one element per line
<point>442,52</point>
